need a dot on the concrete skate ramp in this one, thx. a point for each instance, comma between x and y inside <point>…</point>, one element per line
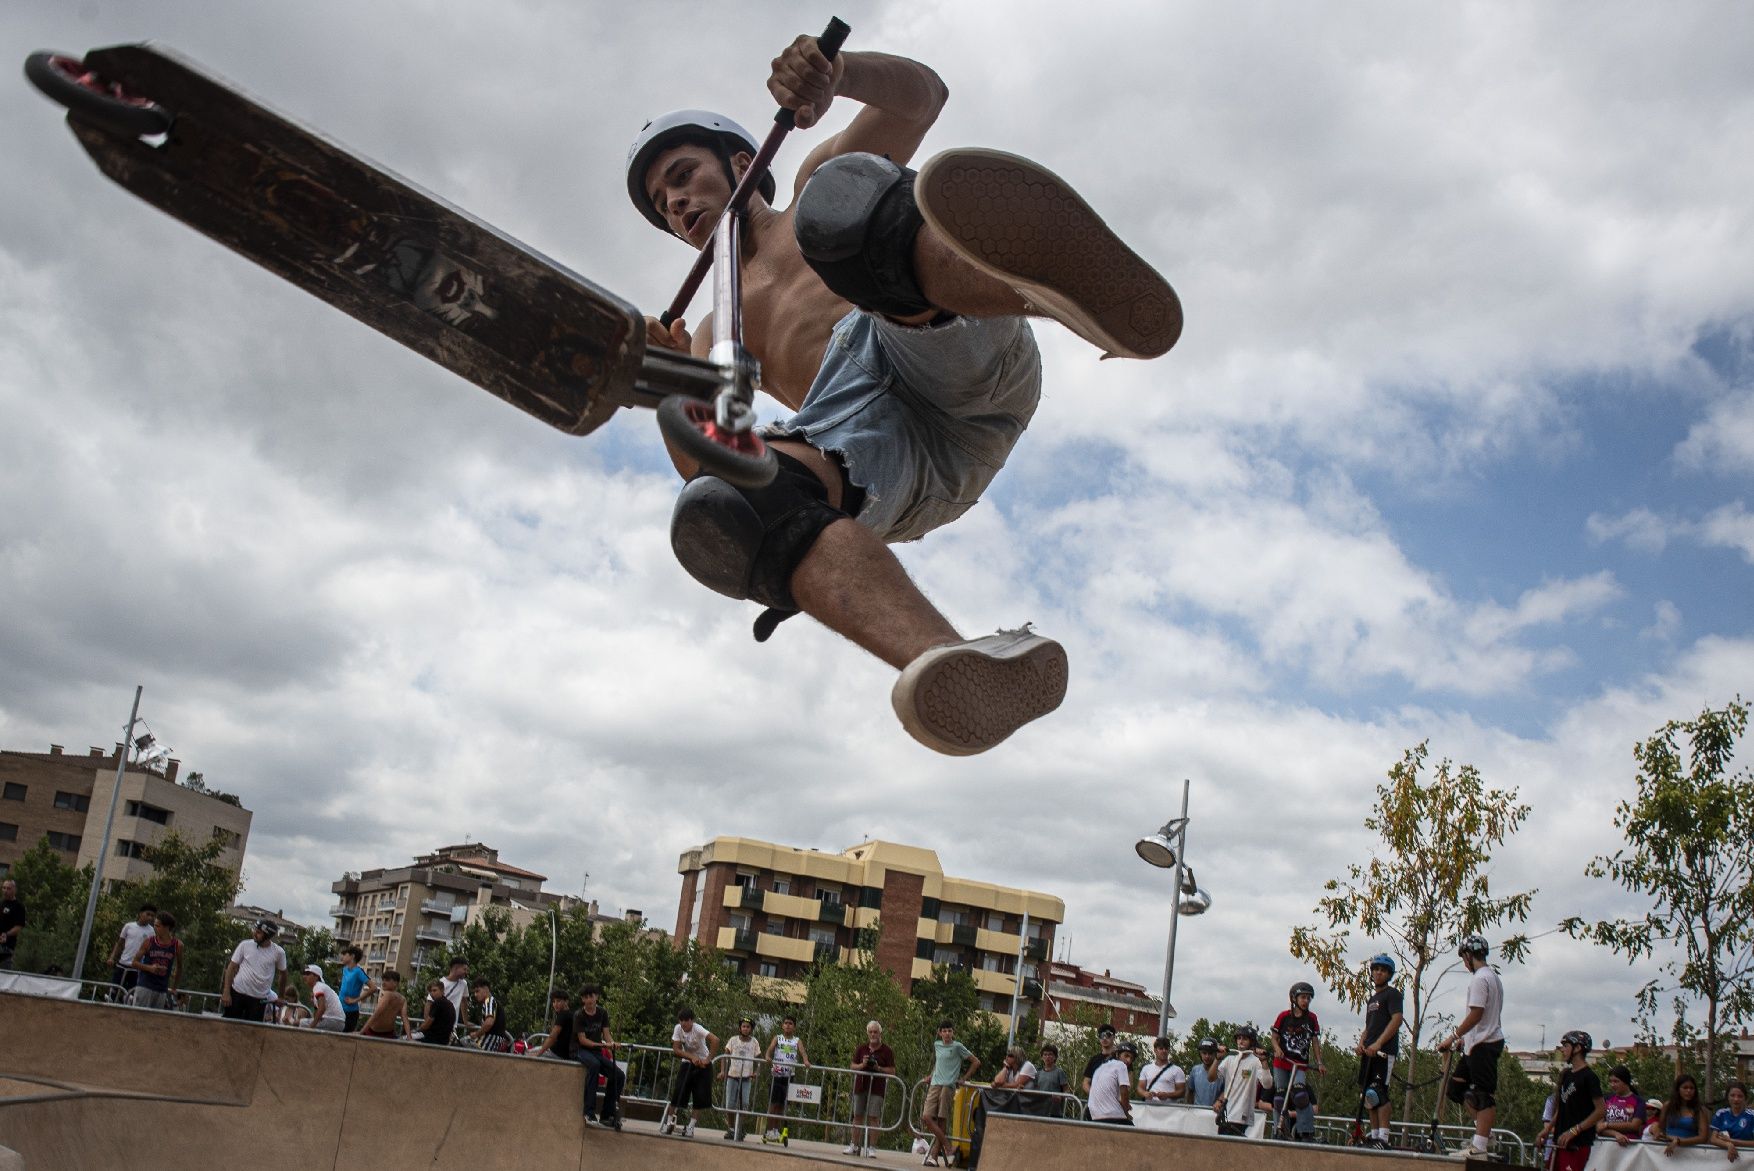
<point>1013,1142</point>
<point>90,1086</point>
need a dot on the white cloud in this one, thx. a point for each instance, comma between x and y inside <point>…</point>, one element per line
<point>391,612</point>
<point>1723,441</point>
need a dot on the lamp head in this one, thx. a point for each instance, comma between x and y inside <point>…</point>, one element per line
<point>1157,849</point>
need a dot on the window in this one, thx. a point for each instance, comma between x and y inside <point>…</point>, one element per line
<point>14,791</point>
<point>147,812</point>
<point>827,894</point>
<point>775,925</point>
<point>741,922</point>
<point>745,879</point>
<point>767,969</point>
<point>231,838</point>
<point>822,935</point>
<point>782,886</point>
<point>996,921</point>
<point>77,802</point>
<point>8,832</point>
<point>60,841</point>
<point>128,849</point>
<point>5,869</point>
<point>948,956</point>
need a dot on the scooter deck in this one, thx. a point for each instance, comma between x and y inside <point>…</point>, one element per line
<point>375,246</point>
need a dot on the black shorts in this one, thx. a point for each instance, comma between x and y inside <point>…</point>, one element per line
<point>1374,1071</point>
<point>1476,1076</point>
<point>694,1086</point>
<point>777,1090</point>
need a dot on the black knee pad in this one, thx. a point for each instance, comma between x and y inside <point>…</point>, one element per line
<point>745,543</point>
<point>1458,1090</point>
<point>856,221</point>
<point>1478,1099</point>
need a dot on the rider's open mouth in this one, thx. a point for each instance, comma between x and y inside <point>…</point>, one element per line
<point>691,219</point>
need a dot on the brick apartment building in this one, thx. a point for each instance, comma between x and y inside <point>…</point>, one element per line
<point>66,798</point>
<point>1083,998</point>
<point>775,910</point>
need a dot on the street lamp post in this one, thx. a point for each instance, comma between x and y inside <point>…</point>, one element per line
<point>1167,850</point>
<point>103,849</point>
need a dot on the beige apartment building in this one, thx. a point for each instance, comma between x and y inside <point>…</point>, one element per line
<point>401,916</point>
<point>65,798</point>
<point>776,910</point>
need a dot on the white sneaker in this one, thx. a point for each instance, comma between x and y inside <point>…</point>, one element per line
<point>668,1124</point>
<point>965,697</point>
<point>869,1152</point>
<point>850,1149</point>
<point>688,1131</point>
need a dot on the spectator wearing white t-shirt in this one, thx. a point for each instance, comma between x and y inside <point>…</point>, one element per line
<point>1480,1037</point>
<point>457,986</point>
<point>326,1011</point>
<point>1162,1080</point>
<point>1110,1097</point>
<point>133,936</point>
<point>257,967</point>
<point>1239,1076</point>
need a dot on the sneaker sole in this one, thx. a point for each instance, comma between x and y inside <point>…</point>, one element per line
<point>965,702</point>
<point>1016,220</point>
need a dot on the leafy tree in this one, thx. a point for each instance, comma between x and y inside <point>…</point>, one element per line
<point>54,895</point>
<point>1424,891</point>
<point>1689,859</point>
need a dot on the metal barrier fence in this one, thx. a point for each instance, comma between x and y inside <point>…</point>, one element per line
<point>961,1126</point>
<point>1416,1137</point>
<point>198,1003</point>
<point>817,1096</point>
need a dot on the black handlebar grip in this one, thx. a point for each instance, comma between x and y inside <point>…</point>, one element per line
<point>832,38</point>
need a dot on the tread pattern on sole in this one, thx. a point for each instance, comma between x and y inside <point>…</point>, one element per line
<point>1026,225</point>
<point>973,701</point>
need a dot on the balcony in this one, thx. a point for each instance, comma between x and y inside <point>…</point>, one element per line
<point>433,907</point>
<point>433,934</point>
<point>341,911</point>
<point>1037,950</point>
<point>380,933</point>
<point>789,906</point>
<point>749,898</point>
<point>732,939</point>
<point>1002,942</point>
<point>778,947</point>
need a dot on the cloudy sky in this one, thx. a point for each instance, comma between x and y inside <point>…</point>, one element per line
<point>1458,445</point>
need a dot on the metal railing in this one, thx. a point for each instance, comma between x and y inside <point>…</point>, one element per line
<point>960,1126</point>
<point>1416,1136</point>
<point>822,1096</point>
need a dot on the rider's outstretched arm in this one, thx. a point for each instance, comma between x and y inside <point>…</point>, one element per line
<point>901,97</point>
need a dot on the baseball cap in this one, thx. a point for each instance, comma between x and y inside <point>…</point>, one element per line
<point>313,970</point>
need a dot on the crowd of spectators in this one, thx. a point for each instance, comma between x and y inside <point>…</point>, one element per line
<point>1238,1082</point>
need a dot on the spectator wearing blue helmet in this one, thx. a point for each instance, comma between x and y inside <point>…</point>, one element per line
<point>1379,1045</point>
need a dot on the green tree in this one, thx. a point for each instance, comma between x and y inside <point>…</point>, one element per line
<point>1425,890</point>
<point>187,880</point>
<point>53,894</point>
<point>1689,859</point>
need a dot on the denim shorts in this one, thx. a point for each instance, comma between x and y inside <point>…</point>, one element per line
<point>921,417</point>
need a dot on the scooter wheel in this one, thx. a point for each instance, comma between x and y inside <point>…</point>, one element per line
<point>742,460</point>
<point>66,80</point>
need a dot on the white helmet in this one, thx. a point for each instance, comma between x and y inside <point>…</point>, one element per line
<point>666,130</point>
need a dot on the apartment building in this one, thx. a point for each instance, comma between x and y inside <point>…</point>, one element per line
<point>66,797</point>
<point>402,915</point>
<point>776,910</point>
<point>1081,998</point>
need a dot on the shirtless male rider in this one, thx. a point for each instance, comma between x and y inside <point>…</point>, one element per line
<point>888,310</point>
